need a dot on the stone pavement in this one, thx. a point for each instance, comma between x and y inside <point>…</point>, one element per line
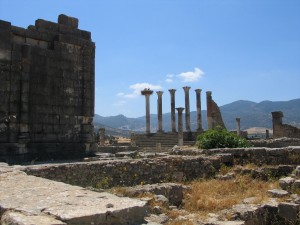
<point>27,199</point>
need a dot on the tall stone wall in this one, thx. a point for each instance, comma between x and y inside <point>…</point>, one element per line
<point>283,130</point>
<point>214,116</point>
<point>47,90</point>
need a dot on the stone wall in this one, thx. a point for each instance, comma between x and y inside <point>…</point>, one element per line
<point>180,168</point>
<point>283,130</point>
<point>214,116</point>
<point>105,174</point>
<point>47,90</point>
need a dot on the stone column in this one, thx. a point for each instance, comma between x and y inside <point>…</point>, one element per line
<point>238,126</point>
<point>198,104</point>
<point>147,93</point>
<point>209,110</point>
<point>102,136</point>
<point>159,110</point>
<point>277,123</point>
<point>187,108</point>
<point>267,134</point>
<point>173,116</point>
<point>180,128</point>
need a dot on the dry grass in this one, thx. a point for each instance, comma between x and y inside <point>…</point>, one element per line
<point>213,195</point>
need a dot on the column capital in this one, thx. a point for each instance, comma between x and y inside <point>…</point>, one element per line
<point>198,90</point>
<point>172,91</point>
<point>180,109</point>
<point>186,88</point>
<point>208,93</point>
<point>147,91</point>
<point>159,93</point>
<point>238,119</point>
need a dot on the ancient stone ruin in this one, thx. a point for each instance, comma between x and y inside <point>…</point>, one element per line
<point>283,130</point>
<point>47,90</point>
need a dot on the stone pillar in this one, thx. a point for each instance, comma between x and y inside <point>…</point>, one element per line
<point>159,110</point>
<point>238,126</point>
<point>173,116</point>
<point>277,123</point>
<point>198,104</point>
<point>187,108</point>
<point>209,110</point>
<point>180,128</point>
<point>133,139</point>
<point>102,136</point>
<point>267,134</point>
<point>147,93</point>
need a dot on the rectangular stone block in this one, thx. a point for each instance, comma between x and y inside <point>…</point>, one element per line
<point>18,31</point>
<point>67,20</point>
<point>43,25</point>
<point>5,39</point>
<point>4,25</point>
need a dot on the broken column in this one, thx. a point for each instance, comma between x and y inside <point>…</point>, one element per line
<point>180,128</point>
<point>209,110</point>
<point>102,136</point>
<point>159,110</point>
<point>277,123</point>
<point>187,108</point>
<point>147,93</point>
<point>198,104</point>
<point>173,116</point>
<point>238,126</point>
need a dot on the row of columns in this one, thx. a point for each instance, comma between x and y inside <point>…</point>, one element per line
<point>147,93</point>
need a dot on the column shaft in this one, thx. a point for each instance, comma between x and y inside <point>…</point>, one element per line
<point>209,110</point>
<point>238,126</point>
<point>198,104</point>
<point>159,110</point>
<point>180,127</point>
<point>173,116</point>
<point>147,93</point>
<point>187,108</point>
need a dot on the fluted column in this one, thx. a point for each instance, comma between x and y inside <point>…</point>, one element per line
<point>187,108</point>
<point>199,116</point>
<point>147,93</point>
<point>180,128</point>
<point>209,110</point>
<point>159,110</point>
<point>173,116</point>
<point>238,126</point>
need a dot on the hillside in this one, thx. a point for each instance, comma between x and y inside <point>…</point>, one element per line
<point>252,115</point>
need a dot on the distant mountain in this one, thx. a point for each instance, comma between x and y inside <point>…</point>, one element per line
<point>252,115</point>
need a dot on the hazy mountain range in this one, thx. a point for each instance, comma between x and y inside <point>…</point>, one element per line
<point>252,114</point>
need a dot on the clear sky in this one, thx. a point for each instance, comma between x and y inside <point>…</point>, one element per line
<point>238,49</point>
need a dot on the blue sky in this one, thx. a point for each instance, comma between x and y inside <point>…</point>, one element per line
<point>238,49</point>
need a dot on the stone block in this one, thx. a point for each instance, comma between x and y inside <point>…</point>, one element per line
<point>289,211</point>
<point>286,183</point>
<point>67,20</point>
<point>278,193</point>
<point>4,25</point>
<point>46,25</point>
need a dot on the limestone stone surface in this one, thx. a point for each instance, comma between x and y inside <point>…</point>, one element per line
<point>17,218</point>
<point>286,182</point>
<point>36,197</point>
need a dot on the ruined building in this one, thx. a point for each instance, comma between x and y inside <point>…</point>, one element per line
<point>283,130</point>
<point>47,90</point>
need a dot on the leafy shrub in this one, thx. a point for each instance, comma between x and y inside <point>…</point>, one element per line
<point>221,138</point>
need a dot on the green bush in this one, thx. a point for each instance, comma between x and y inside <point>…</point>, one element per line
<point>221,138</point>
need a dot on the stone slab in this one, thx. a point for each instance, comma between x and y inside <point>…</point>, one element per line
<point>70,204</point>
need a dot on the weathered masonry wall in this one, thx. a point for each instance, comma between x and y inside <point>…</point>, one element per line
<point>47,90</point>
<point>105,174</point>
<point>283,130</point>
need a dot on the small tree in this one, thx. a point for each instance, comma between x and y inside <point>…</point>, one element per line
<point>221,138</point>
